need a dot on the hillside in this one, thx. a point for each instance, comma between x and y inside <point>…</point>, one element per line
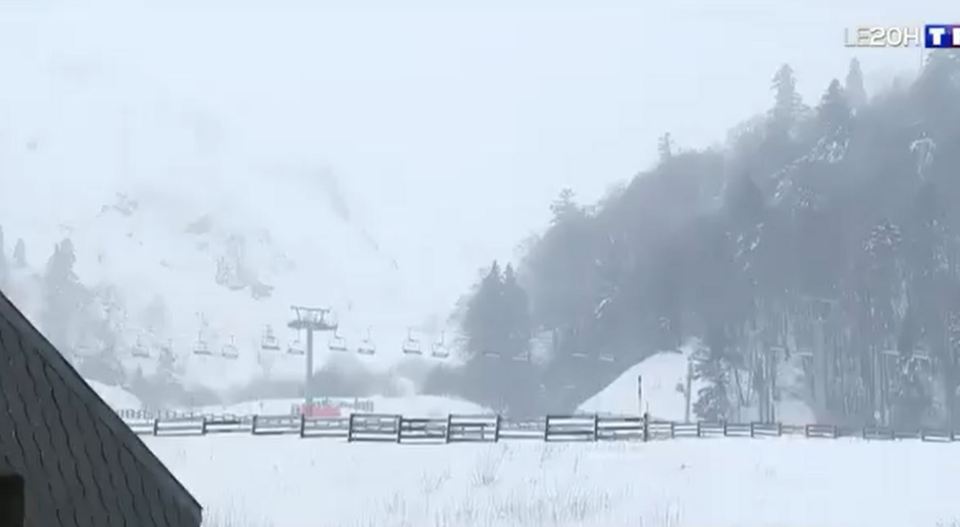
<point>181,227</point>
<point>815,255</point>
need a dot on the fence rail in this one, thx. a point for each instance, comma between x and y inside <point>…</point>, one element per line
<point>364,427</point>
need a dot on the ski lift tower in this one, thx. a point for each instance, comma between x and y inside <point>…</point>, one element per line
<point>309,320</point>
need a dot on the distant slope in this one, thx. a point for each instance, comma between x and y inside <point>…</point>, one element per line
<point>664,375</point>
<point>169,209</point>
<point>115,396</point>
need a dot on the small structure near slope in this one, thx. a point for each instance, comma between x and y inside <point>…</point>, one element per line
<point>65,457</point>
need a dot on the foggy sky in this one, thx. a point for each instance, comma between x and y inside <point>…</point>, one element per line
<point>453,125</point>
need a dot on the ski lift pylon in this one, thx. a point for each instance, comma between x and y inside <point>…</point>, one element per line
<point>337,342</point>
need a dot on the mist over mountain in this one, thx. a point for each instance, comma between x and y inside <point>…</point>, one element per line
<point>821,241</point>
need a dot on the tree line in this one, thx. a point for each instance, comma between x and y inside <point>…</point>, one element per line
<point>818,244</point>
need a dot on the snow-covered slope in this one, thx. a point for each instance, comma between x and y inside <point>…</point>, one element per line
<point>664,376</point>
<point>168,207</point>
<point>115,396</point>
<point>245,481</point>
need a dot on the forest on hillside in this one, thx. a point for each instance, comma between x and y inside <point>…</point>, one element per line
<point>820,233</point>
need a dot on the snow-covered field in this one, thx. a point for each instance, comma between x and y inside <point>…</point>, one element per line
<point>290,482</point>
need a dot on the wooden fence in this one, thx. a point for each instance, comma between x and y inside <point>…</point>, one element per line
<point>493,428</point>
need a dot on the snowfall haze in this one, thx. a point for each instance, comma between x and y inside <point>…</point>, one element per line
<point>738,237</point>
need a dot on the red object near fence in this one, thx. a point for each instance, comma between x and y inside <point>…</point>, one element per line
<point>317,410</point>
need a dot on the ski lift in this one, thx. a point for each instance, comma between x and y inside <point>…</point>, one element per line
<point>490,354</point>
<point>140,351</point>
<point>439,349</point>
<point>269,340</point>
<point>367,347</point>
<point>201,347</point>
<point>337,342</point>
<point>578,355</point>
<point>603,357</point>
<point>322,319</point>
<point>229,350</point>
<point>411,346</point>
<point>295,347</point>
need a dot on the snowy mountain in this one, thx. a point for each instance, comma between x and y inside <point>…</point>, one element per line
<point>197,234</point>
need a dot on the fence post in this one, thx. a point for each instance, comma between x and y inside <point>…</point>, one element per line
<point>203,426</point>
<point>699,431</point>
<point>673,430</point>
<point>596,427</point>
<point>496,430</point>
<point>446,436</point>
<point>399,421</point>
<point>646,427</point>
<point>303,425</point>
<point>350,428</point>
<point>253,424</point>
<point>806,431</point>
<point>779,428</point>
<point>753,429</point>
<point>156,426</point>
<point>724,428</point>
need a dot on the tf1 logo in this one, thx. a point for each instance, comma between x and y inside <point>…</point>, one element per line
<point>942,35</point>
<point>928,36</point>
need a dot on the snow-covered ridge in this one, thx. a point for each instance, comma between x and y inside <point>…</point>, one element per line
<point>194,233</point>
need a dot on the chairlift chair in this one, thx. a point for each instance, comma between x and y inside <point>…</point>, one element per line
<point>269,340</point>
<point>337,342</point>
<point>367,347</point>
<point>578,355</point>
<point>439,349</point>
<point>605,358</point>
<point>295,347</point>
<point>411,346</point>
<point>201,347</point>
<point>490,354</point>
<point>329,319</point>
<point>522,357</point>
<point>140,351</point>
<point>229,350</point>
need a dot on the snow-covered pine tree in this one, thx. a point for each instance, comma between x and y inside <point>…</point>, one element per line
<point>20,254</point>
<point>853,85</point>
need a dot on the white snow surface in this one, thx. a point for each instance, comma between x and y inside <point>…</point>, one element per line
<point>662,373</point>
<point>115,396</point>
<point>245,481</point>
<point>664,376</point>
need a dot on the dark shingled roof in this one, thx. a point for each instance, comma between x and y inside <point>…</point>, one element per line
<point>81,464</point>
